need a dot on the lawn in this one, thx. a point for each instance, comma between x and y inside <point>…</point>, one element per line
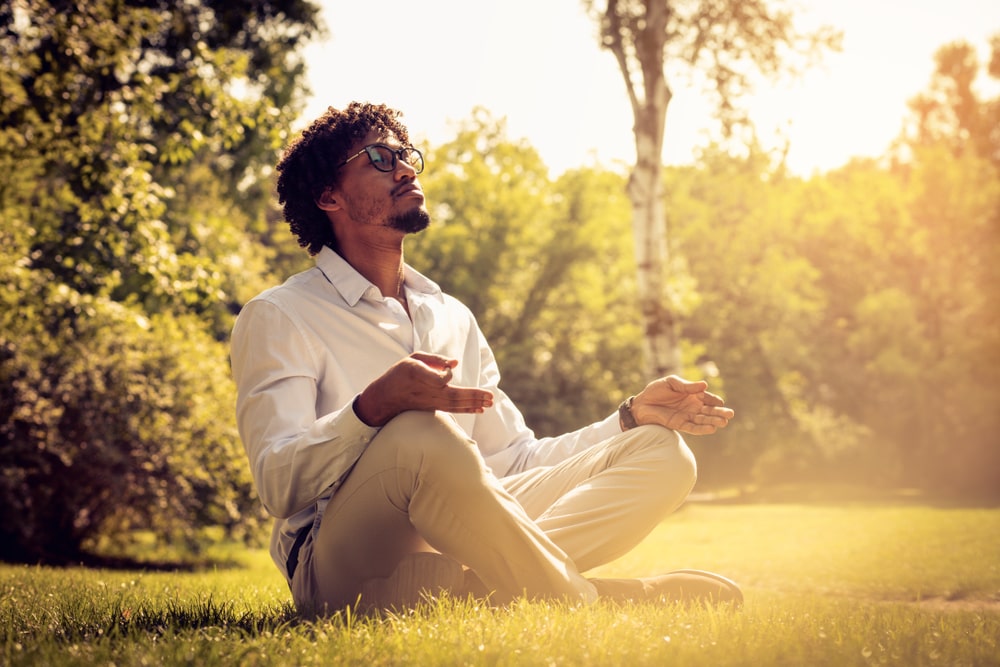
<point>865,584</point>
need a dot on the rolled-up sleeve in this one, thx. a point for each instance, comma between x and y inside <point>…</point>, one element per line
<point>296,455</point>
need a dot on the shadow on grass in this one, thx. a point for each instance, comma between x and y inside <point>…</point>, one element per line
<point>129,621</point>
<point>197,564</point>
<point>121,563</point>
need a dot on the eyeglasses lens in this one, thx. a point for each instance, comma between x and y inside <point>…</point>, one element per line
<point>384,158</point>
<point>381,157</point>
<point>413,158</point>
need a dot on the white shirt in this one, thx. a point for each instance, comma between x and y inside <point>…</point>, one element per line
<point>301,353</point>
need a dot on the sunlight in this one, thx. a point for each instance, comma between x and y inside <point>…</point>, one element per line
<point>539,66</point>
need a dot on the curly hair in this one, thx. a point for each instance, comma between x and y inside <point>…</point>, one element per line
<point>309,165</point>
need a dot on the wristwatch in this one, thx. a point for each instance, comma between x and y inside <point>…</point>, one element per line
<point>625,417</point>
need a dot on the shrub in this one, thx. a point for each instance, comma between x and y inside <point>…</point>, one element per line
<point>111,421</point>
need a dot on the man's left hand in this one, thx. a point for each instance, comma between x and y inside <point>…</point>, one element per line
<point>681,405</point>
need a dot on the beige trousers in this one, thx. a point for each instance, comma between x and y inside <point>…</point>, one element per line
<point>422,486</point>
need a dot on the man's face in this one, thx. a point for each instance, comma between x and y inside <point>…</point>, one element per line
<point>370,196</point>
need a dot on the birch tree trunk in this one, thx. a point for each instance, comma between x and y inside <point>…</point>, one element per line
<point>661,343</point>
<point>638,46</point>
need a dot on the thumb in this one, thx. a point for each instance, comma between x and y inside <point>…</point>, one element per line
<point>686,386</point>
<point>435,360</point>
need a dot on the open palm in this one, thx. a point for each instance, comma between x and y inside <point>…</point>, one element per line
<point>681,405</point>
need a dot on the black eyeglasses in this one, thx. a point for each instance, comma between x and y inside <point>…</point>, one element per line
<point>384,157</point>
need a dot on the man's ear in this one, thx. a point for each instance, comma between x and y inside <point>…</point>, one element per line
<point>328,201</point>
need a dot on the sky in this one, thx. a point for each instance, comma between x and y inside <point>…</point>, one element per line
<point>537,64</point>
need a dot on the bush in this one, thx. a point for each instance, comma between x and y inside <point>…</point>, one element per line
<point>111,421</point>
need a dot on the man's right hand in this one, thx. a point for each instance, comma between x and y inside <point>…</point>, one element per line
<point>418,382</point>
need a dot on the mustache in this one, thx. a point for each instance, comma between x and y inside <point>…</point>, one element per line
<point>406,185</point>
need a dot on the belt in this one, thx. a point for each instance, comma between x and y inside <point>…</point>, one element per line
<point>293,553</point>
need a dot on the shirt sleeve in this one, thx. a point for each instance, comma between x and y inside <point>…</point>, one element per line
<point>296,456</point>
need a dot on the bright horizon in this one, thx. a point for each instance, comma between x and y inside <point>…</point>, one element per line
<point>564,95</point>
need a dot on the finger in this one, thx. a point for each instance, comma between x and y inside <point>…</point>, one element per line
<point>717,420</point>
<point>466,399</point>
<point>714,422</point>
<point>723,413</point>
<point>470,395</point>
<point>693,428</point>
<point>711,399</point>
<point>701,424</point>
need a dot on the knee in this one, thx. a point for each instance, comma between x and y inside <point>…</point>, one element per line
<point>425,429</point>
<point>431,442</point>
<point>680,456</point>
<point>676,469</point>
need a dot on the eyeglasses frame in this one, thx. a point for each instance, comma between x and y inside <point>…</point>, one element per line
<point>397,157</point>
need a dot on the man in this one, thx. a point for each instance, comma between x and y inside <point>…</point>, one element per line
<point>379,438</point>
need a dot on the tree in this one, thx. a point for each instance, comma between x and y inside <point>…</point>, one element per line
<point>726,39</point>
<point>950,166</point>
<point>113,101</point>
<point>137,136</point>
<point>951,112</point>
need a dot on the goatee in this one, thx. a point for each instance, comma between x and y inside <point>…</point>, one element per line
<point>411,222</point>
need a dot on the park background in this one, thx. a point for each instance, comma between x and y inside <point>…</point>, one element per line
<point>849,304</point>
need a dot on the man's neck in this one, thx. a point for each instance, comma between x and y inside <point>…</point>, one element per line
<point>380,262</point>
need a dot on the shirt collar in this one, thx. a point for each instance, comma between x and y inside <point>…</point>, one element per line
<point>352,285</point>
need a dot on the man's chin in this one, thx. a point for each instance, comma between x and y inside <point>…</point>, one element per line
<point>411,222</point>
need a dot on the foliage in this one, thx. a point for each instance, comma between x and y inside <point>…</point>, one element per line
<point>757,307</point>
<point>137,137</point>
<point>951,113</point>
<point>824,586</point>
<point>113,425</point>
<point>854,315</point>
<point>110,103</point>
<point>918,329</point>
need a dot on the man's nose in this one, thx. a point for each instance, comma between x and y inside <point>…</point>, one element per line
<point>406,169</point>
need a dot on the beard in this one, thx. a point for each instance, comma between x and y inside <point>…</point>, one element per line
<point>411,222</point>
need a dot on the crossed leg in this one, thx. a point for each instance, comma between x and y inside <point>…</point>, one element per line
<point>421,488</point>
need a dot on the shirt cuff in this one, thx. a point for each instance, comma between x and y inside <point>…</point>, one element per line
<point>351,426</point>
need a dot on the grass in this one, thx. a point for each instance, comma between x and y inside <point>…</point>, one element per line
<point>825,585</point>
